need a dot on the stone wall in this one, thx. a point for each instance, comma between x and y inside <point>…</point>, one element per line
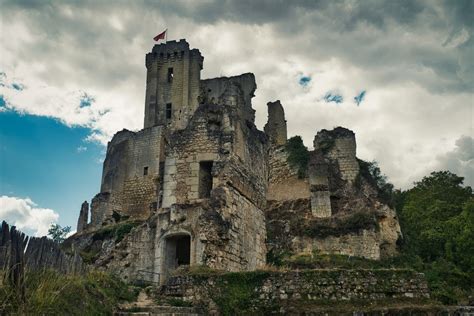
<point>236,91</point>
<point>226,225</point>
<point>130,179</point>
<point>319,185</point>
<point>339,145</point>
<point>283,181</point>
<point>292,229</point>
<point>279,290</point>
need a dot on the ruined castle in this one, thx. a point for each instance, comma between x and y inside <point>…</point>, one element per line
<point>201,185</point>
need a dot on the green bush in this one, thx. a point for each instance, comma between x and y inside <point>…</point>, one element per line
<point>298,155</point>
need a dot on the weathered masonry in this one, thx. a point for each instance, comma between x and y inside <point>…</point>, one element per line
<point>200,184</point>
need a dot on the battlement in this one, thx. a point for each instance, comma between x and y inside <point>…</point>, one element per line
<point>172,85</point>
<point>172,51</point>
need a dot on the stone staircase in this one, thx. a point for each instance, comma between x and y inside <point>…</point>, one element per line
<point>149,306</point>
<point>160,310</point>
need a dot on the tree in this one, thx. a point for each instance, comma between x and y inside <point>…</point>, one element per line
<point>58,233</point>
<point>437,220</point>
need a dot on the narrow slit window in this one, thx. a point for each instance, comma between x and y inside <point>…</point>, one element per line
<point>205,179</point>
<point>168,111</point>
<point>145,171</point>
<point>170,74</point>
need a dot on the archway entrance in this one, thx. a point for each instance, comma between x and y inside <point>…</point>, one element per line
<point>177,252</point>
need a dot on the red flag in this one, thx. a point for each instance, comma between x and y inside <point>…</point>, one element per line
<point>160,36</point>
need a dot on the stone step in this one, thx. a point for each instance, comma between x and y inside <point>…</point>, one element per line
<point>161,311</point>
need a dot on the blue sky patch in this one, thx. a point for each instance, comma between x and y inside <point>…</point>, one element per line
<point>40,159</point>
<point>86,100</point>
<point>359,98</point>
<point>333,97</point>
<point>304,81</point>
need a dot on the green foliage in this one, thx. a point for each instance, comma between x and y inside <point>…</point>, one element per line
<point>298,155</point>
<point>237,291</point>
<point>372,173</point>
<point>50,293</point>
<point>58,233</point>
<point>118,231</point>
<point>437,220</point>
<point>322,228</point>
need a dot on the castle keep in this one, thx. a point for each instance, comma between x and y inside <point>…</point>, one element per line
<point>201,185</point>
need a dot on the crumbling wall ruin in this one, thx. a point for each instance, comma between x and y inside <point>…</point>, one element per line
<point>130,181</point>
<point>338,215</point>
<point>276,124</point>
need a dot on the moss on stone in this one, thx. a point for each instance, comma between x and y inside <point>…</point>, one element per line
<point>298,155</point>
<point>236,291</point>
<point>321,228</point>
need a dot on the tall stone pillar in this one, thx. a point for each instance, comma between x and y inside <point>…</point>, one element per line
<point>276,124</point>
<point>83,215</point>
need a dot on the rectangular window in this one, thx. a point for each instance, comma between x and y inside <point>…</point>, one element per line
<point>168,111</point>
<point>145,171</point>
<point>205,179</point>
<point>170,74</point>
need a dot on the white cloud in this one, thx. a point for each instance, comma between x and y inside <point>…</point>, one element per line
<point>26,215</point>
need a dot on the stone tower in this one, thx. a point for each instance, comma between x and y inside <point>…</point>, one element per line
<point>172,84</point>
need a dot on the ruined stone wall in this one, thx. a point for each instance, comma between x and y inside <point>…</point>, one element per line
<point>339,145</point>
<point>292,229</point>
<point>229,91</point>
<point>242,247</point>
<point>283,181</point>
<point>181,91</point>
<point>130,176</point>
<point>276,124</point>
<point>365,243</point>
<point>318,174</point>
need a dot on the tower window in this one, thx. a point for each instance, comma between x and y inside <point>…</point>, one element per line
<point>145,171</point>
<point>168,111</point>
<point>170,74</point>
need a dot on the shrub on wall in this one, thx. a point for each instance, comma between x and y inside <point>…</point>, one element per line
<point>298,155</point>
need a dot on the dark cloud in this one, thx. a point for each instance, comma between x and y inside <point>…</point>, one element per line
<point>415,58</point>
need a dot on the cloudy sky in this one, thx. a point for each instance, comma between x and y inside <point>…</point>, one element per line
<point>398,73</point>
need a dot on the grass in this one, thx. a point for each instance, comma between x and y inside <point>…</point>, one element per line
<point>236,292</point>
<point>50,293</point>
<point>117,231</point>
